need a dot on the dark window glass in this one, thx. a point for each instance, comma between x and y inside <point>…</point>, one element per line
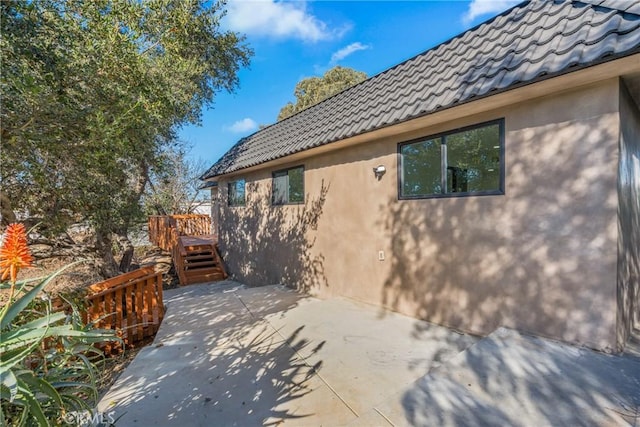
<point>236,193</point>
<point>471,160</point>
<point>421,163</point>
<point>296,185</point>
<point>288,186</point>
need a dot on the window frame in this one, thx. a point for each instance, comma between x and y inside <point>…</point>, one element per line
<point>231,184</point>
<point>288,202</point>
<point>444,165</point>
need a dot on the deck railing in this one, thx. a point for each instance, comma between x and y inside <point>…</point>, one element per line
<point>130,303</point>
<point>164,230</point>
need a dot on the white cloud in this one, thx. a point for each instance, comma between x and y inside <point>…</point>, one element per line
<point>244,125</point>
<point>485,7</point>
<point>276,19</point>
<point>348,50</point>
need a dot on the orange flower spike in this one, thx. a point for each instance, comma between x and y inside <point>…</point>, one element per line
<point>14,253</point>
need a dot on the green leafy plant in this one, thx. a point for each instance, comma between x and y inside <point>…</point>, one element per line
<point>49,363</point>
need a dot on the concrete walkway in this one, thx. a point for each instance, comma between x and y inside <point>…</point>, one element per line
<point>228,355</point>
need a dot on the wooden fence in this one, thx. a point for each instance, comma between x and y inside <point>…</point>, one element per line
<point>130,303</point>
<point>164,230</point>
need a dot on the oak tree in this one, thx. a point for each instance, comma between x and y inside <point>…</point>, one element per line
<point>313,90</point>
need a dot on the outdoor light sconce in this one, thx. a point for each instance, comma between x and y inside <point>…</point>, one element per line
<point>379,171</point>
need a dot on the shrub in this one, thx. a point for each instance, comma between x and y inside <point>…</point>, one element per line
<point>49,363</point>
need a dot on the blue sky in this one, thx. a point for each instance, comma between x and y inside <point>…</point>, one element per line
<point>297,39</point>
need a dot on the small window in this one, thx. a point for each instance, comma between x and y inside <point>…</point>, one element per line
<point>288,186</point>
<point>468,161</point>
<point>236,193</point>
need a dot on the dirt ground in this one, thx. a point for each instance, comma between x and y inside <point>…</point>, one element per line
<point>115,365</point>
<point>83,275</point>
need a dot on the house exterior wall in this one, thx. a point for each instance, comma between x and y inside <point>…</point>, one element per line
<point>540,258</point>
<point>215,209</point>
<point>628,217</point>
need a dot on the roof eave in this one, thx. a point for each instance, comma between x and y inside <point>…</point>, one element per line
<point>602,69</point>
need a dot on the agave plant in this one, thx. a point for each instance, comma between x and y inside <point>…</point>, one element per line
<point>48,361</point>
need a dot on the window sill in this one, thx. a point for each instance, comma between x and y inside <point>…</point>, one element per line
<point>454,195</point>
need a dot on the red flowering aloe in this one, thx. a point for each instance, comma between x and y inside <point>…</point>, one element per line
<point>14,253</point>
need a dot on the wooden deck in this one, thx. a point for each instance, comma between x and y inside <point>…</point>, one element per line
<point>164,230</point>
<point>206,239</point>
<point>194,249</point>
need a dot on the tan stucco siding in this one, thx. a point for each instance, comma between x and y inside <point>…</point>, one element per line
<point>541,258</point>
<point>628,217</point>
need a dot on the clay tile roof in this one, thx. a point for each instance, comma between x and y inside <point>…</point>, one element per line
<point>534,40</point>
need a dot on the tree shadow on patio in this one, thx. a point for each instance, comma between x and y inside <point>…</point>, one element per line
<point>217,362</point>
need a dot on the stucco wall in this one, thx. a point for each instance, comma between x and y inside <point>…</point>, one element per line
<point>629,217</point>
<point>541,258</point>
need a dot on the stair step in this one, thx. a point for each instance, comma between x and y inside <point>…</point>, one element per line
<point>199,248</point>
<point>196,274</point>
<point>203,261</point>
<point>198,256</point>
<point>205,270</point>
<point>190,257</point>
<point>202,273</point>
<point>205,277</point>
<point>200,265</point>
<point>199,251</point>
<point>199,261</point>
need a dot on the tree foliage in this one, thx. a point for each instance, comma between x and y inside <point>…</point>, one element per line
<point>313,90</point>
<point>174,187</point>
<point>93,93</point>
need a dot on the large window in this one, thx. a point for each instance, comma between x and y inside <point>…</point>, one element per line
<point>288,186</point>
<point>467,161</point>
<point>236,193</point>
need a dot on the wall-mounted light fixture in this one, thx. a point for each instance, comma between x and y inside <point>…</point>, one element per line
<point>379,171</point>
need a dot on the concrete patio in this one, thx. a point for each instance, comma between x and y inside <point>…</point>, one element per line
<point>229,355</point>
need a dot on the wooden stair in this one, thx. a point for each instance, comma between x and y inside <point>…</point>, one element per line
<point>197,260</point>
